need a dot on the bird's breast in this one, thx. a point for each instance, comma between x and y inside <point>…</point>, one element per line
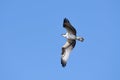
<point>71,36</point>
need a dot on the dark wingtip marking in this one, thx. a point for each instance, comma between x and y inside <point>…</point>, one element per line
<point>63,63</point>
<point>66,20</point>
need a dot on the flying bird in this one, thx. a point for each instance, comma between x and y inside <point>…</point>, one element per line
<point>71,37</point>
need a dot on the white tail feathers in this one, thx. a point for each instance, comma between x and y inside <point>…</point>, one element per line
<point>80,39</point>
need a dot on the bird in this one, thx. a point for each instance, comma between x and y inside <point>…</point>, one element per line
<point>71,37</point>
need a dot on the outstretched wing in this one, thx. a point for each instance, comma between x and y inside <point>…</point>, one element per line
<point>66,49</point>
<point>68,26</point>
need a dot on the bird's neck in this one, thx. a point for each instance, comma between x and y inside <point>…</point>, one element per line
<point>65,35</point>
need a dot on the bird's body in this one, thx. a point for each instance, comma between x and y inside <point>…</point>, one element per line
<point>69,36</point>
<point>71,41</point>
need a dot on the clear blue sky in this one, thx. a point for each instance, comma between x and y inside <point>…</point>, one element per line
<point>31,41</point>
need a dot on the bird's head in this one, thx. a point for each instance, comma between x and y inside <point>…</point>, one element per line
<point>64,35</point>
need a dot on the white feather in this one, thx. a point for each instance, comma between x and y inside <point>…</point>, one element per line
<point>66,54</point>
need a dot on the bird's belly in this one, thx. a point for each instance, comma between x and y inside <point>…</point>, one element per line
<point>71,36</point>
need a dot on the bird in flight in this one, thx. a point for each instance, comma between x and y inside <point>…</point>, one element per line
<point>71,37</point>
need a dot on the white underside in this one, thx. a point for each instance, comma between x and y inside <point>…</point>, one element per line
<point>73,37</point>
<point>66,53</point>
<point>69,36</point>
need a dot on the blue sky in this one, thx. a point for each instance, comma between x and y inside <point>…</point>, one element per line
<point>31,41</point>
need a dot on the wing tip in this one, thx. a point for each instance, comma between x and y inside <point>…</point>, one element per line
<point>63,63</point>
<point>66,20</point>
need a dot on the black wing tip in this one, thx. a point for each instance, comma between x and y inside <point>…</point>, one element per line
<point>66,20</point>
<point>63,63</point>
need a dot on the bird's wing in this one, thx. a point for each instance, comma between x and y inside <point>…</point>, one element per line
<point>66,49</point>
<point>68,26</point>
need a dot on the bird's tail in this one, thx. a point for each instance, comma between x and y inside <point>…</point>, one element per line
<point>80,39</point>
